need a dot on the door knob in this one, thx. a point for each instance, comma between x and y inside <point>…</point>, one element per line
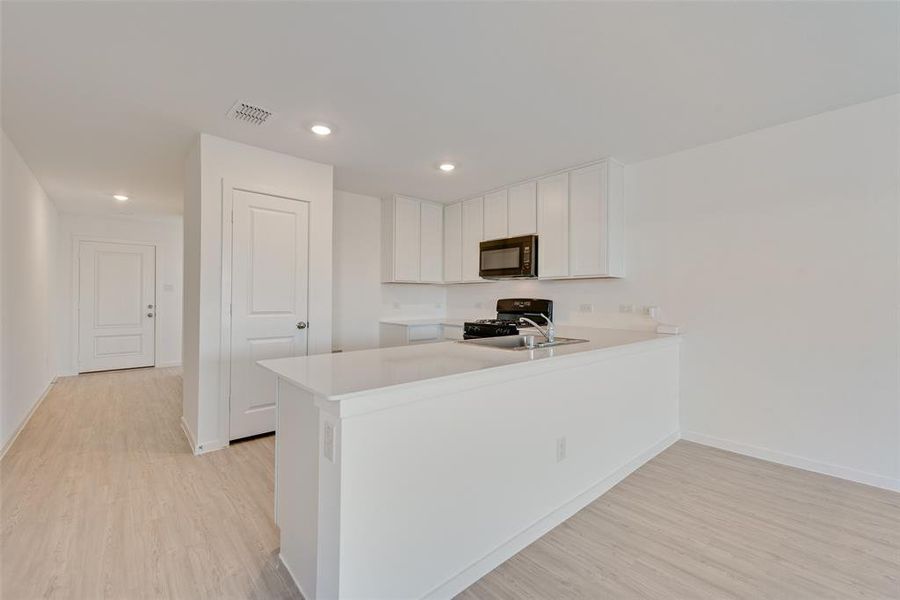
<point>301,325</point>
<point>150,315</point>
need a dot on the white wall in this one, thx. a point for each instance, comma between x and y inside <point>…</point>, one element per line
<point>205,407</point>
<point>27,322</point>
<point>166,233</point>
<point>778,250</point>
<point>360,299</point>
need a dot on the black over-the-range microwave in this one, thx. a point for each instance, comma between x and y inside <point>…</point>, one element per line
<point>509,258</point>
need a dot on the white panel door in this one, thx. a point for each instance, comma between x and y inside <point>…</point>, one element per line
<point>553,226</point>
<point>116,306</point>
<point>523,209</point>
<point>406,239</point>
<point>472,236</point>
<point>269,301</point>
<point>588,215</point>
<point>431,243</point>
<point>495,216</point>
<point>453,243</point>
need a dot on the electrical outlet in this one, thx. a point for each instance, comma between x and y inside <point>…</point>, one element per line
<point>328,441</point>
<point>587,308</point>
<point>560,449</point>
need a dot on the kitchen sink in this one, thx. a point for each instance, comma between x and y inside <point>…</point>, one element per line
<point>521,342</point>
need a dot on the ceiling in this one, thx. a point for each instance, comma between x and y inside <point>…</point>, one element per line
<point>107,97</point>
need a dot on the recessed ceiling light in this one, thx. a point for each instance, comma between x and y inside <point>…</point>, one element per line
<point>447,167</point>
<point>320,129</point>
<point>120,197</point>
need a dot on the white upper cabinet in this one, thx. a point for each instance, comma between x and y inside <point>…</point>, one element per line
<point>431,243</point>
<point>553,226</point>
<point>522,208</point>
<point>596,214</point>
<point>495,216</point>
<point>578,216</point>
<point>472,236</point>
<point>453,243</point>
<point>412,240</point>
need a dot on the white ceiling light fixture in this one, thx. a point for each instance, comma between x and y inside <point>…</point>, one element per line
<point>446,167</point>
<point>120,197</point>
<point>321,129</point>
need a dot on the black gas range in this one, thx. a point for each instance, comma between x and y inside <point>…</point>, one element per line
<point>509,311</point>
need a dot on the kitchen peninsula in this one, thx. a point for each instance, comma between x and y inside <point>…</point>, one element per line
<point>412,471</point>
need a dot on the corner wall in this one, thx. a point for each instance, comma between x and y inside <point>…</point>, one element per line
<point>212,162</point>
<point>778,250</point>
<point>360,299</point>
<point>28,319</point>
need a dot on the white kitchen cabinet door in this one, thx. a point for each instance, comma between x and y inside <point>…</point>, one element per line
<point>431,243</point>
<point>522,209</point>
<point>587,212</point>
<point>596,215</point>
<point>495,216</point>
<point>453,243</point>
<point>406,239</point>
<point>553,226</point>
<point>472,236</point>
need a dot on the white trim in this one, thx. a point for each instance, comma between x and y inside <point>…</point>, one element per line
<point>792,460</point>
<point>201,448</point>
<point>168,364</point>
<point>77,239</point>
<point>482,567</point>
<point>27,418</point>
<point>294,579</point>
<point>188,435</point>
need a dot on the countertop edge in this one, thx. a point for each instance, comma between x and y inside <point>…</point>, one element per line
<point>544,364</point>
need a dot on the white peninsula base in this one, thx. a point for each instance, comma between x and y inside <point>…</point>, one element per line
<point>418,488</point>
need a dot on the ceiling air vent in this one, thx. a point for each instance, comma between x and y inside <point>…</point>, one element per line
<point>249,113</point>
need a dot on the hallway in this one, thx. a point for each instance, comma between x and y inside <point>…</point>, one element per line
<point>102,498</point>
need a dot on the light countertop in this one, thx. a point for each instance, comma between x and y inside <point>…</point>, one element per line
<point>345,375</point>
<point>414,321</point>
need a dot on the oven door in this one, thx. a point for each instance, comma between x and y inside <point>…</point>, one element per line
<point>509,258</point>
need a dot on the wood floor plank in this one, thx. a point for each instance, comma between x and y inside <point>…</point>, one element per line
<point>100,497</point>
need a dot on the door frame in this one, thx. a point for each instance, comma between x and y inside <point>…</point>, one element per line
<point>77,239</point>
<point>229,186</point>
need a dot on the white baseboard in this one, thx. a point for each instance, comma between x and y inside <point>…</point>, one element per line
<point>166,365</point>
<point>482,567</point>
<point>294,579</point>
<point>27,418</point>
<point>791,460</point>
<point>188,435</point>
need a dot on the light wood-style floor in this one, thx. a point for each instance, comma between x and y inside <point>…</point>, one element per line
<point>101,498</point>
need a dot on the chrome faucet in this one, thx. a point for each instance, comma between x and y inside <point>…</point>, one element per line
<point>549,333</point>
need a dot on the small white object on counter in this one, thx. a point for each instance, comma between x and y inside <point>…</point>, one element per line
<point>419,330</point>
